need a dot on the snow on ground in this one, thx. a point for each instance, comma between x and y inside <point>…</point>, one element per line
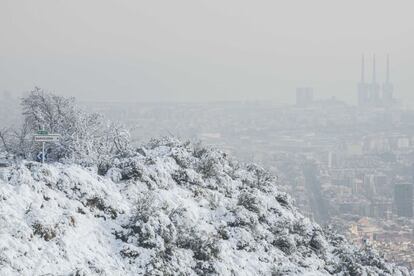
<point>170,208</point>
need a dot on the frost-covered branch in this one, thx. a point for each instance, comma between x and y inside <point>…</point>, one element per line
<point>85,138</point>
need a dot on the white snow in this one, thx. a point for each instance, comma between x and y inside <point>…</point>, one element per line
<point>199,212</point>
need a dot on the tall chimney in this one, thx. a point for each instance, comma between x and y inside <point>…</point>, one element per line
<point>388,68</point>
<point>374,76</point>
<point>363,69</point>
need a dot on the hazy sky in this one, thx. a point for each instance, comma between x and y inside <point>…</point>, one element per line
<point>203,50</point>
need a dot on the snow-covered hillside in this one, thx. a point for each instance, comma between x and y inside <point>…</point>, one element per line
<point>169,208</point>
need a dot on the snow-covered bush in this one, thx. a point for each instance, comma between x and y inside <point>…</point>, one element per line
<point>144,207</point>
<point>249,201</point>
<point>17,141</point>
<point>45,232</point>
<point>85,138</point>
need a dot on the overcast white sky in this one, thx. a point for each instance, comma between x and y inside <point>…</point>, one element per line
<point>203,50</point>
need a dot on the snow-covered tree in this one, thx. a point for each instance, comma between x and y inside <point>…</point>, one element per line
<point>17,141</point>
<point>85,138</point>
<point>3,139</point>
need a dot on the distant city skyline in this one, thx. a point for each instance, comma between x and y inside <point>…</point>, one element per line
<point>195,51</point>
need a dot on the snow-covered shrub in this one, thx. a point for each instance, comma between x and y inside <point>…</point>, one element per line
<point>207,167</point>
<point>259,177</point>
<point>210,162</point>
<point>131,169</point>
<point>98,203</point>
<point>204,245</point>
<point>169,232</point>
<point>144,207</point>
<point>241,217</point>
<point>318,243</point>
<point>182,155</point>
<point>85,138</point>
<point>215,200</point>
<point>284,199</point>
<point>150,226</point>
<point>249,201</point>
<point>285,243</point>
<point>45,232</point>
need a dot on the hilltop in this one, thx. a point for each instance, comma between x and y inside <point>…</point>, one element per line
<point>166,208</point>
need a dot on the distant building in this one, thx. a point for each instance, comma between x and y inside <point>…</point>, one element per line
<point>304,96</point>
<point>403,199</point>
<point>381,208</point>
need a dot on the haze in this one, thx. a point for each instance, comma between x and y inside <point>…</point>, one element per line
<point>203,50</point>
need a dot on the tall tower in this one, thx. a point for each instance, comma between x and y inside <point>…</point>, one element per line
<point>374,91</point>
<point>387,87</point>
<point>363,93</point>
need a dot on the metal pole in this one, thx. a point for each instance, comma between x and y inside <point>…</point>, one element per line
<point>43,152</point>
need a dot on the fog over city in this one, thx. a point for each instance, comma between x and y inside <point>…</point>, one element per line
<point>206,137</point>
<point>201,50</point>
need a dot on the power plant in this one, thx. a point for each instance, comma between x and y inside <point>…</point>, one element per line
<point>372,93</point>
